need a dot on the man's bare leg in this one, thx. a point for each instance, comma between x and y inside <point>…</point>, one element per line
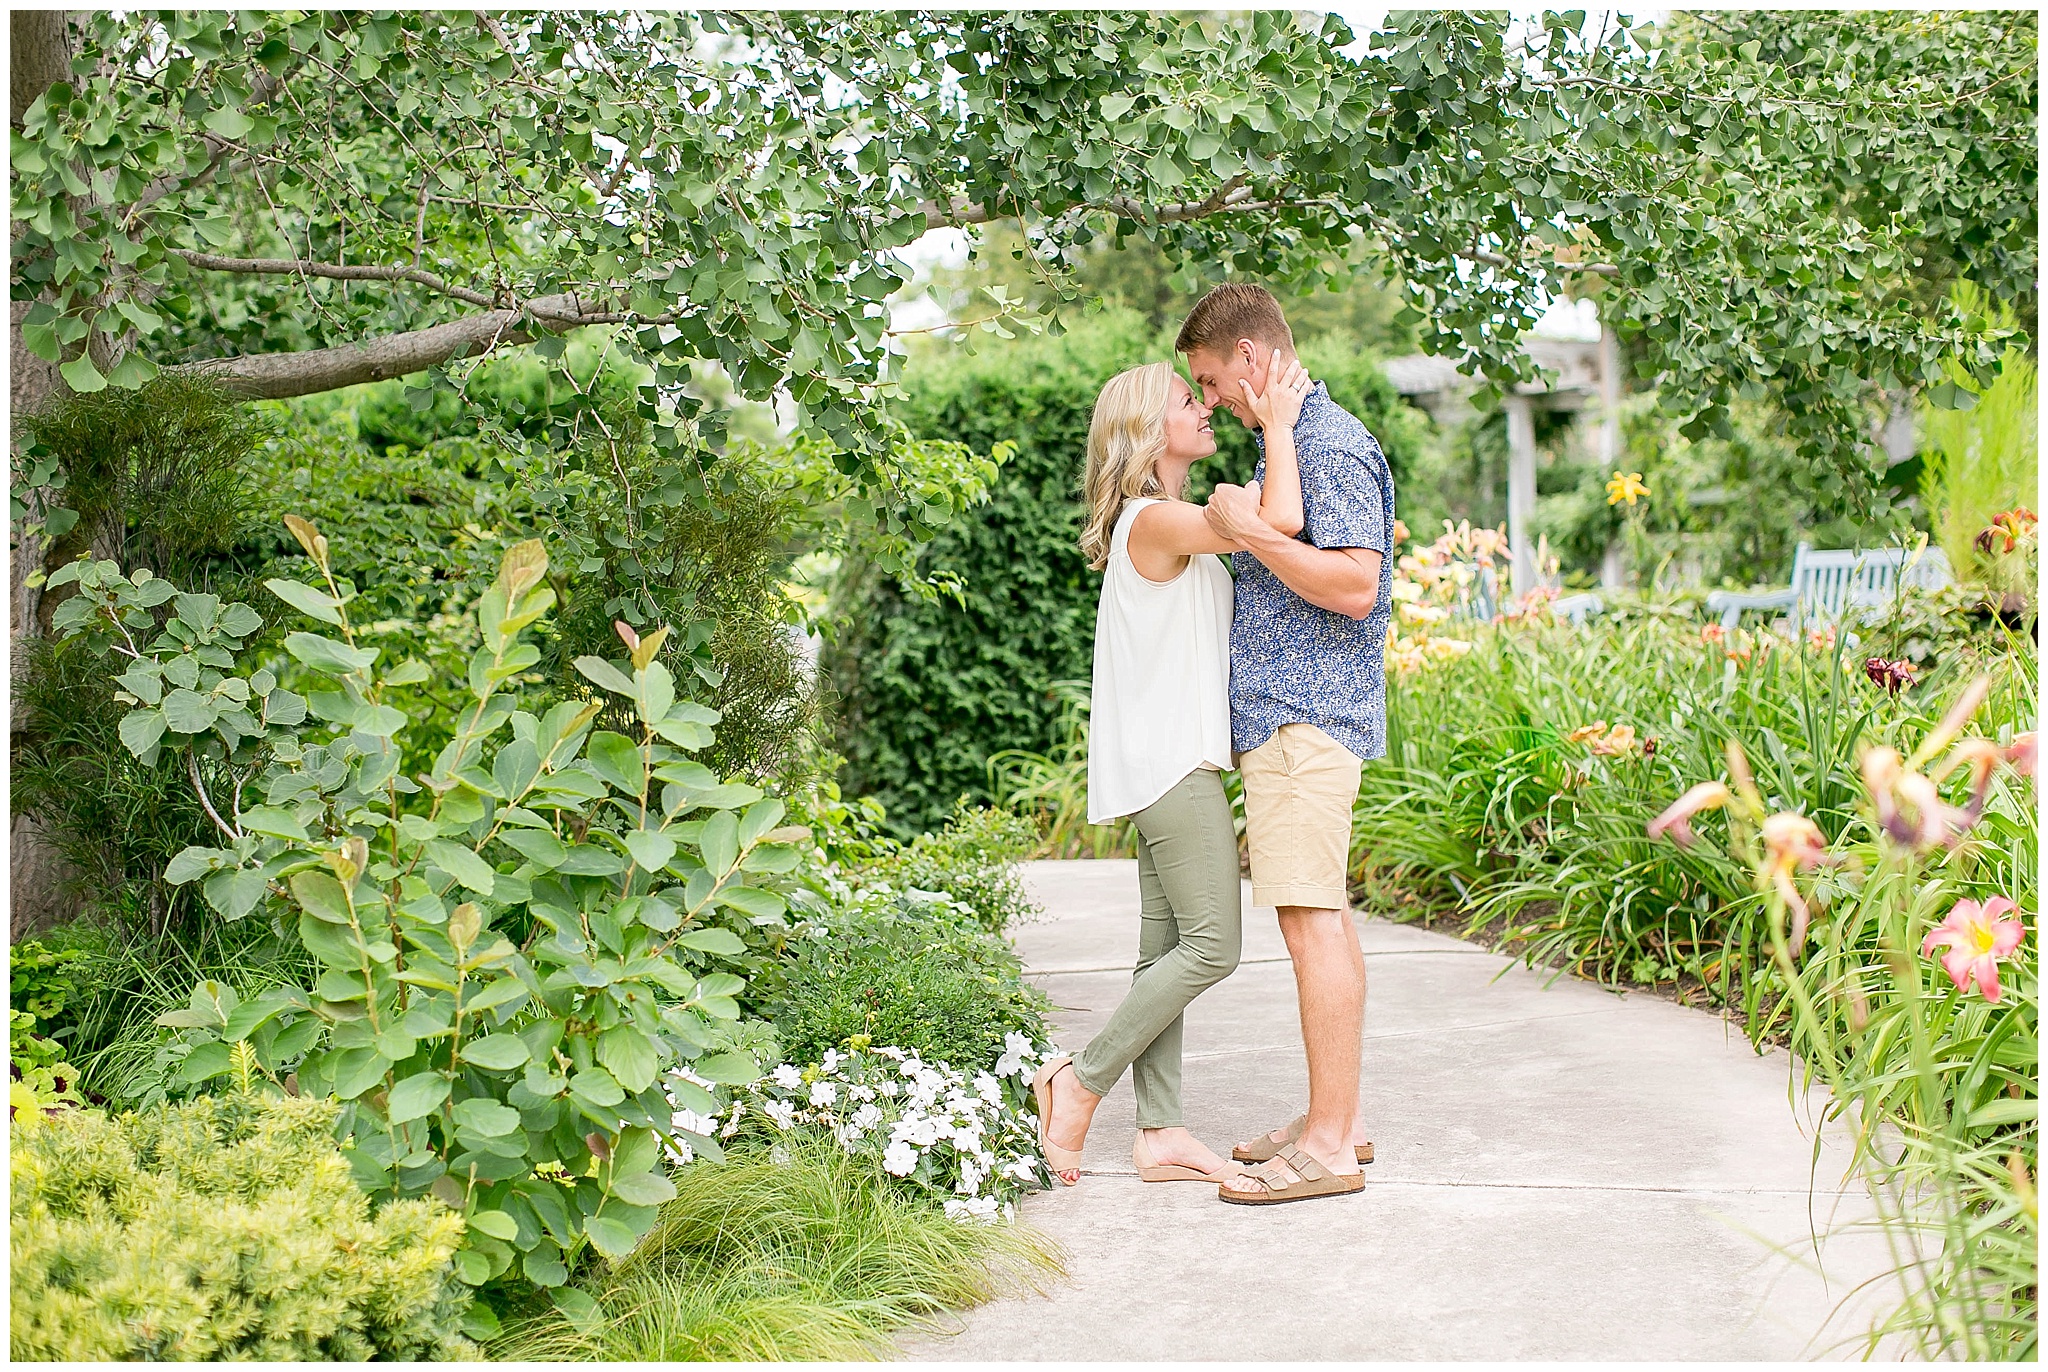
<point>1359,1136</point>
<point>1329,978</point>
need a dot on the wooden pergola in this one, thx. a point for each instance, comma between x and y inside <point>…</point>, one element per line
<point>1586,375</point>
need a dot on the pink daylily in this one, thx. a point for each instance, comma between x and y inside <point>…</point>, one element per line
<point>1794,843</point>
<point>1976,939</point>
<point>1708,795</point>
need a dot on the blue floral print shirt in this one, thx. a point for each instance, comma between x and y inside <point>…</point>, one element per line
<point>1293,662</point>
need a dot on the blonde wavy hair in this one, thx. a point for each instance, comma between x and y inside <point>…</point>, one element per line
<point>1126,437</point>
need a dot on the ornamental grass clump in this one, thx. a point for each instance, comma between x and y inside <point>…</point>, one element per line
<point>790,1250</point>
<point>227,1228</point>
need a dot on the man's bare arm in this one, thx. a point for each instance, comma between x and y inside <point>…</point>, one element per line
<point>1344,580</point>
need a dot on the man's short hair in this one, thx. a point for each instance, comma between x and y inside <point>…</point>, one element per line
<point>1232,311</point>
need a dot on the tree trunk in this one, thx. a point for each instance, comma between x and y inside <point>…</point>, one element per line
<point>40,882</point>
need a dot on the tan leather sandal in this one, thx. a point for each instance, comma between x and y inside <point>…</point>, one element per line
<point>1310,1180</point>
<point>1266,1147</point>
<point>1148,1170</point>
<point>1059,1160</point>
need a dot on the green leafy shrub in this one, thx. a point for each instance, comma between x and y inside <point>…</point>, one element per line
<point>799,1253</point>
<point>514,943</point>
<point>907,970</point>
<point>973,860</point>
<point>44,982</point>
<point>156,478</point>
<point>227,1228</point>
<point>928,690</point>
<point>117,821</point>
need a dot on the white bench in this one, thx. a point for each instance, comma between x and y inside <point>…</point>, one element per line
<point>1830,585</point>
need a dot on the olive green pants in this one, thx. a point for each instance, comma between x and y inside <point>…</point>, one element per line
<point>1188,941</point>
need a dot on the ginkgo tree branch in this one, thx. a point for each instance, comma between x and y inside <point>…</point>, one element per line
<point>284,375</point>
<point>333,271</point>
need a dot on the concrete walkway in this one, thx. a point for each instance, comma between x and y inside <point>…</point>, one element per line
<point>1563,1173</point>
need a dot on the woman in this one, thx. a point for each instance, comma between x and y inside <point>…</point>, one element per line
<point>1159,741</point>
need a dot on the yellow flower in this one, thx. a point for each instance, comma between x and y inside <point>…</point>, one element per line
<point>1405,655</point>
<point>1423,614</point>
<point>1625,486</point>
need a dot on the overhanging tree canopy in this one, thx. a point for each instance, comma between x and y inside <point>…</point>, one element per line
<point>302,201</point>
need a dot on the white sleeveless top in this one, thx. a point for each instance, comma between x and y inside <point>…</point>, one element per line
<point>1161,705</point>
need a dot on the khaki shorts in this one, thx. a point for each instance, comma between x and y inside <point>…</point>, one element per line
<point>1298,789</point>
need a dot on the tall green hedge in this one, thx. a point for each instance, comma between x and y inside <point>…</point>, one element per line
<point>928,690</point>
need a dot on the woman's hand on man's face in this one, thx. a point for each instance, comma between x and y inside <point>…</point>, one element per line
<point>1279,405</point>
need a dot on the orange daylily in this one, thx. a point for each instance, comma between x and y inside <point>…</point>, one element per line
<point>1619,742</point>
<point>1976,939</point>
<point>2009,528</point>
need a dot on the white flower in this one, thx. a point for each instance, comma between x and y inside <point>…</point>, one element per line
<point>788,1077</point>
<point>890,1088</point>
<point>782,1112</point>
<point>779,1155</point>
<point>694,1122</point>
<point>861,1092</point>
<point>823,1093</point>
<point>831,1061</point>
<point>896,1053</point>
<point>867,1117</point>
<point>1016,1051</point>
<point>679,1151</point>
<point>900,1160</point>
<point>988,1088</point>
<point>979,1210</point>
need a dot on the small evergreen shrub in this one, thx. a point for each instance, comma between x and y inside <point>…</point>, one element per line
<point>225,1228</point>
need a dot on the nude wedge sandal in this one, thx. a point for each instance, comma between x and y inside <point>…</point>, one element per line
<point>1057,1159</point>
<point>1148,1170</point>
<point>1265,1147</point>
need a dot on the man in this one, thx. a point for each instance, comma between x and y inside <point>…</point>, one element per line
<point>1308,706</point>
